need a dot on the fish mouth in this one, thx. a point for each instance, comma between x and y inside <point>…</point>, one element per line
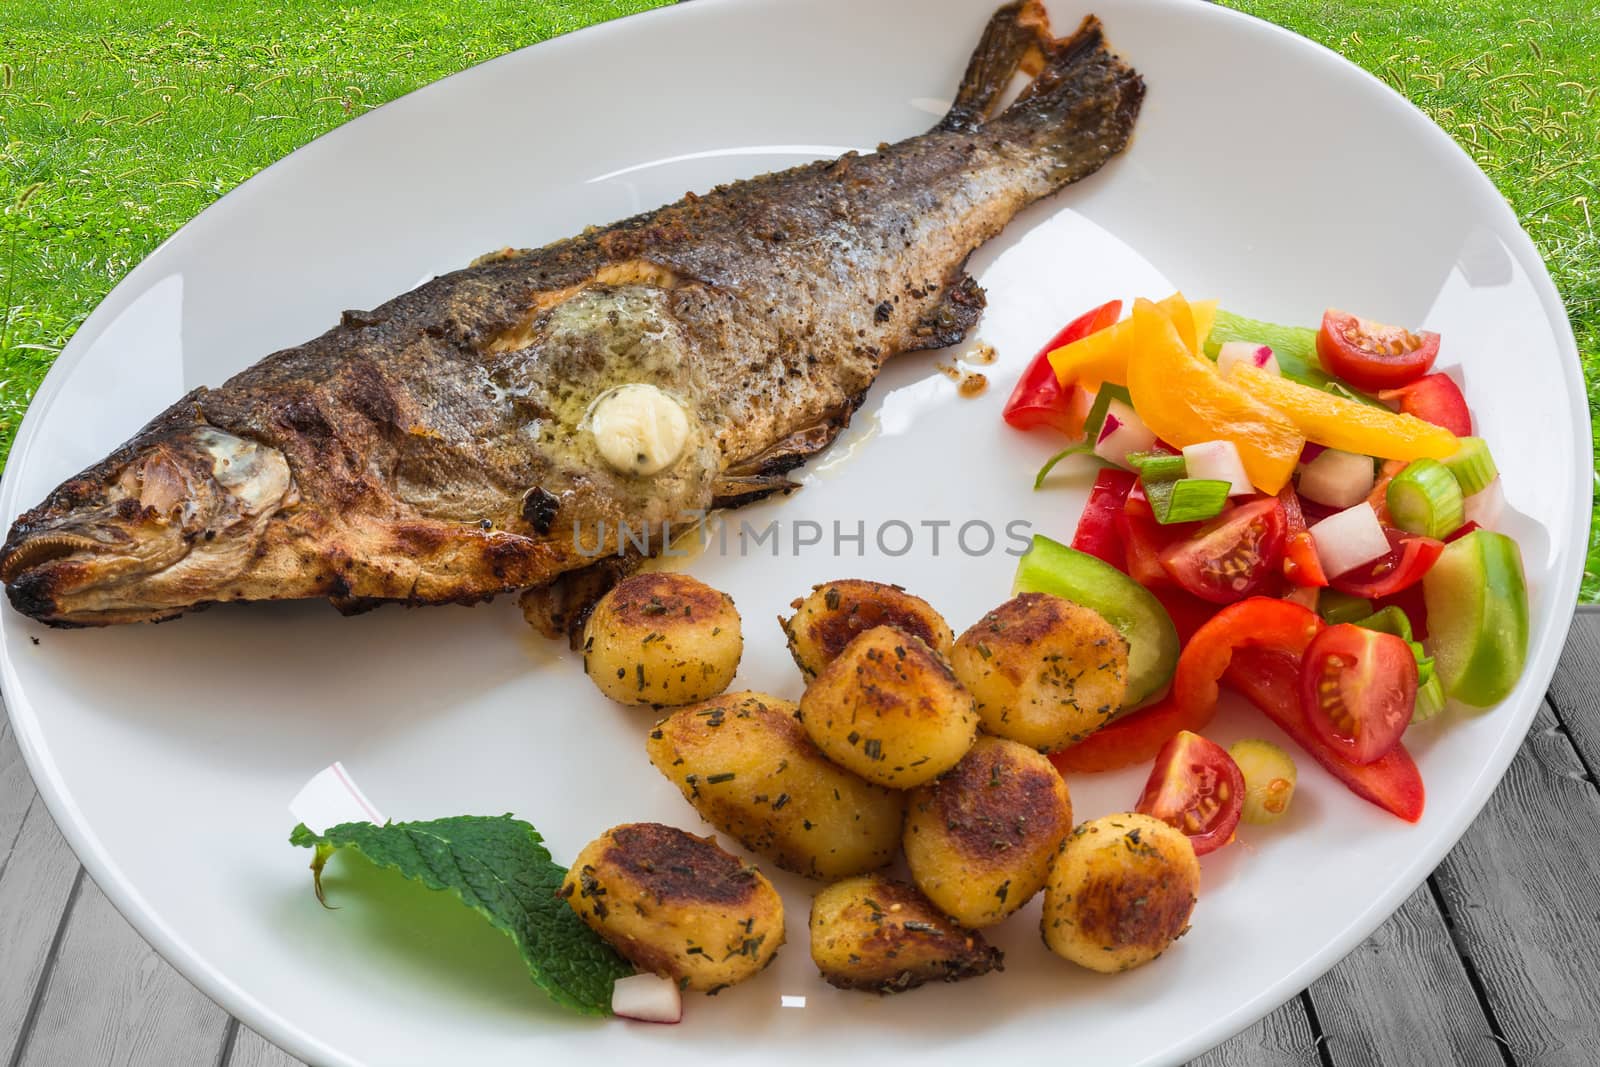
<point>42,549</point>
<point>170,526</point>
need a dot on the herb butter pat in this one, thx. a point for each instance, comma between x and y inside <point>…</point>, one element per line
<point>639,429</point>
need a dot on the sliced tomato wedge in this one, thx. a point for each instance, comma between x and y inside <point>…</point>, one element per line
<point>1231,557</point>
<point>1434,398</point>
<point>1097,527</point>
<point>1039,398</point>
<point>1270,680</point>
<point>1358,688</point>
<point>1372,355</point>
<point>1300,562</point>
<point>1196,788</point>
<point>1407,560</point>
<point>1259,622</point>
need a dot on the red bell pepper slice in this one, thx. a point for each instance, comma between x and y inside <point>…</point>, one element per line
<point>1434,398</point>
<point>1097,526</point>
<point>1270,679</point>
<point>1039,399</point>
<point>1408,559</point>
<point>1259,622</point>
<point>1300,562</point>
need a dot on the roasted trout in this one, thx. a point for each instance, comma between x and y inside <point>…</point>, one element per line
<point>493,429</point>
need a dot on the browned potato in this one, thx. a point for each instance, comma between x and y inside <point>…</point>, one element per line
<point>835,612</point>
<point>980,838</point>
<point>881,935</point>
<point>1120,892</point>
<point>676,905</point>
<point>747,766</point>
<point>1044,671</point>
<point>889,709</point>
<point>662,638</point>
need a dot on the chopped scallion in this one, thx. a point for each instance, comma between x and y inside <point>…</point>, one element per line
<point>1157,466</point>
<point>1426,499</point>
<point>1472,465</point>
<point>1337,607</point>
<point>1187,499</point>
<point>1430,700</point>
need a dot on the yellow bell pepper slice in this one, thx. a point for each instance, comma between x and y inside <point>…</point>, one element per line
<point>1183,399</point>
<point>1103,355</point>
<point>1345,424</point>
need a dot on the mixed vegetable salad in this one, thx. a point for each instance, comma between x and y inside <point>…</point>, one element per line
<point>1301,514</point>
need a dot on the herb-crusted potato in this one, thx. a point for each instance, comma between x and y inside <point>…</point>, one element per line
<point>980,837</point>
<point>889,709</point>
<point>1120,892</point>
<point>1044,671</point>
<point>662,638</point>
<point>836,612</point>
<point>747,766</point>
<point>676,905</point>
<point>881,935</point>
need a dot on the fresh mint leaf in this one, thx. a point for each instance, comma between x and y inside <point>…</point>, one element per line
<point>499,867</point>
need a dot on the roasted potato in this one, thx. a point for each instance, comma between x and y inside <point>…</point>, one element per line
<point>747,766</point>
<point>1044,671</point>
<point>877,934</point>
<point>662,639</point>
<point>981,836</point>
<point>835,612</point>
<point>676,905</point>
<point>1120,892</point>
<point>889,709</point>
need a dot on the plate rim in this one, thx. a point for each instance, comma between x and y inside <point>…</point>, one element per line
<point>241,1005</point>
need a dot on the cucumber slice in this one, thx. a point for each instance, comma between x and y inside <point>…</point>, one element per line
<point>1269,777</point>
<point>1426,499</point>
<point>1472,466</point>
<point>1051,567</point>
<point>1478,617</point>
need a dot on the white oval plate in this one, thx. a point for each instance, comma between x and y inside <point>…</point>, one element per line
<point>1265,171</point>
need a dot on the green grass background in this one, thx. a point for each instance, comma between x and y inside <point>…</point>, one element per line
<point>121,119</point>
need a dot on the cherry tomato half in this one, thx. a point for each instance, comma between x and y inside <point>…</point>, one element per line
<point>1232,556</point>
<point>1358,688</point>
<point>1408,559</point>
<point>1195,787</point>
<point>1372,355</point>
<point>1434,398</point>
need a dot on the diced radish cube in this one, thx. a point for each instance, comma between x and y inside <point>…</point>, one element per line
<point>1484,506</point>
<point>1337,479</point>
<point>1259,356</point>
<point>648,998</point>
<point>1347,539</point>
<point>1219,461</point>
<point>1124,431</point>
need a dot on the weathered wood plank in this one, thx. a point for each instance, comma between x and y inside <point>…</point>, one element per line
<point>1403,996</point>
<point>36,888</point>
<point>110,1001</point>
<point>1575,689</point>
<point>1283,1039</point>
<point>16,788</point>
<point>1521,893</point>
<point>250,1049</point>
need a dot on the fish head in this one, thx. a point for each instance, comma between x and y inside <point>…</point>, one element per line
<point>163,523</point>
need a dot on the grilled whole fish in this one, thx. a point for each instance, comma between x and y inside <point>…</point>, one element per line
<point>442,447</point>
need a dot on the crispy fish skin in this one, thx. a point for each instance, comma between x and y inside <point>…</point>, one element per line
<point>434,449</point>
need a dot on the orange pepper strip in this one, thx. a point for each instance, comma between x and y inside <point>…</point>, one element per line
<point>1345,424</point>
<point>1183,399</point>
<point>1103,357</point>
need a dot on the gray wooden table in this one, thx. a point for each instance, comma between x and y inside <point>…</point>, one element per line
<point>1495,960</point>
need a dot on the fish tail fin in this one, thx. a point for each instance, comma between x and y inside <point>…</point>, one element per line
<point>1080,107</point>
<point>1014,39</point>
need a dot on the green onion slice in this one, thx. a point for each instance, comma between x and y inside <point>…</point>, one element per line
<point>1426,499</point>
<point>1157,466</point>
<point>1472,465</point>
<point>1337,607</point>
<point>1187,499</point>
